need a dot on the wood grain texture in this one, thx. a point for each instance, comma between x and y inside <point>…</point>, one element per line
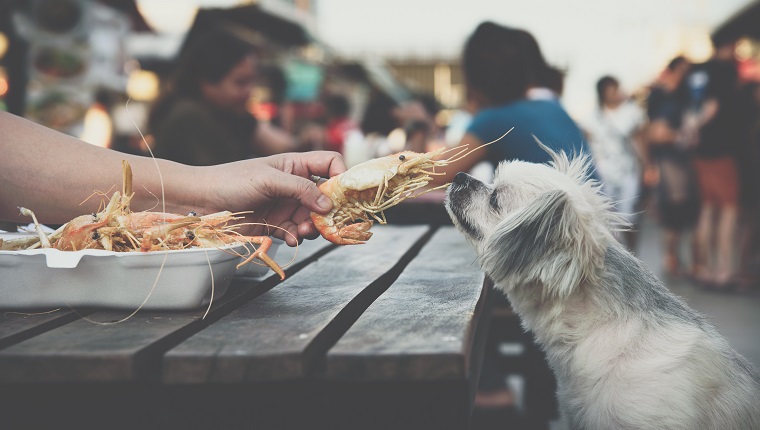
<point>82,351</point>
<point>423,327</point>
<point>284,333</point>
<point>18,326</point>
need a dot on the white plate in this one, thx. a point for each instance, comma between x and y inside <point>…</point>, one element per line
<point>49,278</point>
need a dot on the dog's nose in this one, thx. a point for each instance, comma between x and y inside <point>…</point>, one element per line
<point>462,178</point>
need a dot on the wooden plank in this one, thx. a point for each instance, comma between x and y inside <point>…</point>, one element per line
<point>18,326</point>
<point>284,333</point>
<point>424,326</point>
<point>83,351</point>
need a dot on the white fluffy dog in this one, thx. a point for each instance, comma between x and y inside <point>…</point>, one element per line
<point>627,353</point>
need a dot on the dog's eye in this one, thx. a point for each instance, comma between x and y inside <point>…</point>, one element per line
<point>494,201</point>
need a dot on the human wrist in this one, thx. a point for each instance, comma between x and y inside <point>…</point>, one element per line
<point>200,191</point>
<point>179,189</point>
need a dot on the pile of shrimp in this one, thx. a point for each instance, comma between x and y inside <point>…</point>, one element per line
<point>116,228</point>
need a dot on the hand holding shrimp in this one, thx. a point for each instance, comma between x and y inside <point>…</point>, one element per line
<point>281,194</point>
<point>361,194</point>
<point>41,169</point>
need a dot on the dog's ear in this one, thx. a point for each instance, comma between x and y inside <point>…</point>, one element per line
<point>551,241</point>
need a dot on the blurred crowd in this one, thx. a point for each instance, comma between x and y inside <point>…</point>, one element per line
<point>688,151</point>
<point>205,114</point>
<point>685,149</point>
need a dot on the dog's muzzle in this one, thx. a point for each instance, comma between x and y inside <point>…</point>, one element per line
<point>458,198</point>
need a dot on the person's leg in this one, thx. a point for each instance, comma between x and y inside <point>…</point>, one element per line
<point>702,243</point>
<point>629,208</point>
<point>727,181</point>
<point>671,263</point>
<point>748,249</point>
<point>725,241</point>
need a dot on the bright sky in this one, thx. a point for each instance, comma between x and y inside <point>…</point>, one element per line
<point>630,40</point>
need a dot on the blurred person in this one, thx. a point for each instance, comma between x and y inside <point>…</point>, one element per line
<point>548,82</point>
<point>713,90</point>
<point>614,132</point>
<point>383,114</point>
<point>748,162</point>
<point>378,117</point>
<point>339,122</point>
<point>276,82</point>
<point>418,133</point>
<point>202,118</point>
<point>277,189</point>
<point>421,108</point>
<point>501,65</point>
<point>668,163</point>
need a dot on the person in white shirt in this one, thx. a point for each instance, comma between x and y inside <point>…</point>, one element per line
<point>614,136</point>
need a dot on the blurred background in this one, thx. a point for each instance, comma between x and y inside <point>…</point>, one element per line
<point>59,59</point>
<point>371,78</point>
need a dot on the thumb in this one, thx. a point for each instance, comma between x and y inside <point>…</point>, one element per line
<point>301,189</point>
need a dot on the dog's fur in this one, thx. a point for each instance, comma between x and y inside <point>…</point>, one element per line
<point>627,353</point>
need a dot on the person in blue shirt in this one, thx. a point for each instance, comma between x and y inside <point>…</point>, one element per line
<point>509,84</point>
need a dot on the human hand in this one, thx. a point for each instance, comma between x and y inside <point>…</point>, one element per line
<point>311,137</point>
<point>278,191</point>
<point>411,111</point>
<point>651,175</point>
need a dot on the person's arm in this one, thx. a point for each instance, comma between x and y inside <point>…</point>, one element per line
<point>53,174</point>
<point>269,140</point>
<point>709,110</point>
<point>638,138</point>
<point>465,164</point>
<point>639,142</point>
<point>659,132</point>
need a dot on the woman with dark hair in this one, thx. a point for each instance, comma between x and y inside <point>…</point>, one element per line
<point>501,65</point>
<point>202,119</point>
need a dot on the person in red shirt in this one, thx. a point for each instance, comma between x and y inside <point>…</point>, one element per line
<point>339,122</point>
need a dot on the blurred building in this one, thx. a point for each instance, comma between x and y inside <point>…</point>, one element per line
<point>64,59</point>
<point>439,77</point>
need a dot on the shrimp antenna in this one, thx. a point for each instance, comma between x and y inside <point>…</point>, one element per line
<point>160,177</point>
<point>464,152</point>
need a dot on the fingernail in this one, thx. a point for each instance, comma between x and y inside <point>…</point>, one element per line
<point>324,202</point>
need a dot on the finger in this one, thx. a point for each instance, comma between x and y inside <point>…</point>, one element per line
<point>281,184</point>
<point>321,163</point>
<point>307,230</point>
<point>336,167</point>
<point>300,215</point>
<point>291,239</point>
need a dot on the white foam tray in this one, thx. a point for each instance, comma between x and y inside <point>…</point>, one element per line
<point>49,278</point>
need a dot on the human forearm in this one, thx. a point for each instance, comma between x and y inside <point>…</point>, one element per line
<point>52,173</point>
<point>269,140</point>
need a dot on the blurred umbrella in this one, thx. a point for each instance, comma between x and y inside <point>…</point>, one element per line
<point>744,23</point>
<point>129,7</point>
<point>252,17</point>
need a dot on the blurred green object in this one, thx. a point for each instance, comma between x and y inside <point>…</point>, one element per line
<point>303,81</point>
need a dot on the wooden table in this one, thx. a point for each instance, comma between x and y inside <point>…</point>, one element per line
<point>384,335</point>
